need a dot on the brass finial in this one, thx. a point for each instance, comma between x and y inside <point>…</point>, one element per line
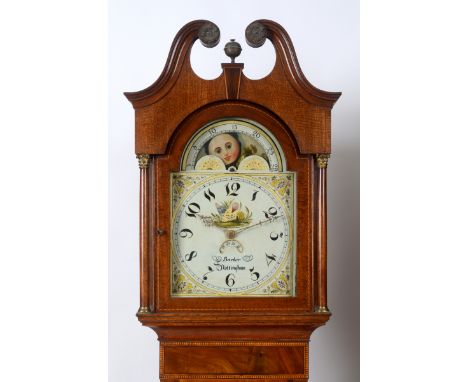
<point>232,50</point>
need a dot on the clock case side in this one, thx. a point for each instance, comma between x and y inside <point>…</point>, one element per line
<point>167,112</point>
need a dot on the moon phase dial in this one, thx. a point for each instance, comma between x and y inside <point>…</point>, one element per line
<point>238,144</point>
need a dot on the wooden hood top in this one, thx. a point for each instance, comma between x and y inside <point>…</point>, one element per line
<point>285,92</point>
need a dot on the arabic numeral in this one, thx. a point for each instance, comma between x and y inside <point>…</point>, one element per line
<point>235,186</point>
<point>274,167</point>
<point>185,233</point>
<point>231,189</point>
<point>272,211</point>
<point>230,280</point>
<point>209,194</point>
<point>256,134</point>
<point>254,276</point>
<point>210,270</point>
<point>193,210</point>
<point>212,131</point>
<point>274,236</point>
<point>270,258</point>
<point>191,255</point>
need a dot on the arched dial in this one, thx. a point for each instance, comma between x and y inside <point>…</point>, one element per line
<point>232,234</point>
<point>246,138</point>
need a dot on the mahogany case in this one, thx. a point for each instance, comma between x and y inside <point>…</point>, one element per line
<point>233,338</point>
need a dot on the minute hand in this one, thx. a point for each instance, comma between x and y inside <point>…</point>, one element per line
<point>261,222</point>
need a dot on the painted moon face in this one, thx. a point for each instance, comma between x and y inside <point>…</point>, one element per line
<point>226,147</point>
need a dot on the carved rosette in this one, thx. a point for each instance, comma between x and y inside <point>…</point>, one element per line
<point>256,34</point>
<point>143,160</point>
<point>322,160</point>
<point>209,34</point>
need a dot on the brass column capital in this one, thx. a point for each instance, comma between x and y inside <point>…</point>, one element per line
<point>322,160</point>
<point>321,309</point>
<point>143,160</point>
<point>143,310</point>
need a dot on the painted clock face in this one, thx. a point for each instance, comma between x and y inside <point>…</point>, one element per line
<point>232,234</point>
<point>233,145</point>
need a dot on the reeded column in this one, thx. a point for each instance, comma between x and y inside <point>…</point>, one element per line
<point>143,163</point>
<point>321,161</point>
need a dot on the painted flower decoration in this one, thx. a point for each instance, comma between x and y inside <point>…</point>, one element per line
<point>231,214</point>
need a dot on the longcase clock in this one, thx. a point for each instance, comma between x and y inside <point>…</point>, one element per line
<point>233,212</point>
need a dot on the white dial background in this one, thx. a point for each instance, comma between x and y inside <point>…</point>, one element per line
<point>231,259</point>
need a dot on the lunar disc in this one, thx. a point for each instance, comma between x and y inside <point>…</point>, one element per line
<point>254,163</point>
<point>210,162</point>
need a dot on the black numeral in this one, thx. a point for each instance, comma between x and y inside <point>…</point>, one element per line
<point>274,236</point>
<point>270,258</point>
<point>271,212</point>
<point>231,189</point>
<point>230,279</point>
<point>185,233</point>
<point>212,131</point>
<point>254,275</point>
<point>191,255</point>
<point>193,209</point>
<point>254,195</point>
<point>210,270</point>
<point>209,195</point>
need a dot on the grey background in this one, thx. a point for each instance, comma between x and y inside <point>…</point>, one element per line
<point>326,37</point>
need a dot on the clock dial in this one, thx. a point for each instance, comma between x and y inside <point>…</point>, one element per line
<point>233,234</point>
<point>237,144</point>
